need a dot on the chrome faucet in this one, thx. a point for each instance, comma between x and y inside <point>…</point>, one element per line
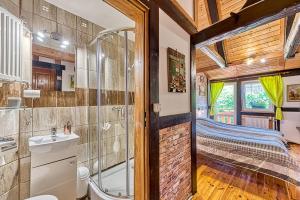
<point>53,133</point>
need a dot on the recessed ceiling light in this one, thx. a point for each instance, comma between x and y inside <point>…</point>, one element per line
<point>263,60</point>
<point>39,39</point>
<point>63,46</point>
<point>40,34</point>
<point>250,61</point>
<point>66,42</point>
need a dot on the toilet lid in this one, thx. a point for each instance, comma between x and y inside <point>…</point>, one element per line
<point>43,197</point>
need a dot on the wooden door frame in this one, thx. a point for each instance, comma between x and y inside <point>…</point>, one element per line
<point>138,12</point>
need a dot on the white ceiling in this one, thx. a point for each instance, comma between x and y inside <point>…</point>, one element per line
<point>96,11</point>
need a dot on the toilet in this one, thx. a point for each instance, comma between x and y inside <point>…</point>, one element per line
<point>43,197</point>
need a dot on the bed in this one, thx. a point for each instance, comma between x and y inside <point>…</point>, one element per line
<point>260,150</point>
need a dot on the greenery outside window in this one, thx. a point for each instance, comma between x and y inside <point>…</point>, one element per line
<point>254,98</point>
<point>225,108</point>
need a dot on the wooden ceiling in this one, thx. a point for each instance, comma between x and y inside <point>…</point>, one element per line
<point>243,53</point>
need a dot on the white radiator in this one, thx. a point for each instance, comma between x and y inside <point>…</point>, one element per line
<point>257,121</point>
<point>11,31</point>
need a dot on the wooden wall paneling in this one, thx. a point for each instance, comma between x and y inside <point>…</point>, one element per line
<point>265,11</point>
<point>202,15</point>
<point>226,7</point>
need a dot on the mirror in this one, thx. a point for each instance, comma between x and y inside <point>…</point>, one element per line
<point>53,50</point>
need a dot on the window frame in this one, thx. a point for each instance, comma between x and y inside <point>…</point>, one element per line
<point>243,100</point>
<point>234,84</point>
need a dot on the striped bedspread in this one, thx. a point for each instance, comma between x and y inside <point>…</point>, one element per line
<point>257,149</point>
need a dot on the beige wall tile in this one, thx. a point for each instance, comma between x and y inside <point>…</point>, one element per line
<point>25,164</point>
<point>13,156</point>
<point>43,24</point>
<point>9,176</point>
<point>12,194</point>
<point>65,114</point>
<point>81,115</point>
<point>11,5</point>
<point>97,29</point>
<point>23,147</point>
<point>44,118</point>
<point>81,58</point>
<point>92,115</point>
<point>82,78</point>
<point>82,132</point>
<point>83,39</point>
<point>45,9</point>
<point>27,5</point>
<point>26,120</point>
<point>9,122</point>
<point>66,18</point>
<point>68,34</point>
<point>24,190</point>
<point>82,155</point>
<point>84,26</point>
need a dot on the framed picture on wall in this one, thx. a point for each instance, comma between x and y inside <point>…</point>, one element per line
<point>176,71</point>
<point>293,93</point>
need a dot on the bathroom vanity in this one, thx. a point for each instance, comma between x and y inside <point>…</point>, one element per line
<point>54,165</point>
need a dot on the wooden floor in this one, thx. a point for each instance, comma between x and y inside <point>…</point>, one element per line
<point>216,181</point>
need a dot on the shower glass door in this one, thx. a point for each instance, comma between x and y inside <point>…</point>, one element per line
<point>111,61</point>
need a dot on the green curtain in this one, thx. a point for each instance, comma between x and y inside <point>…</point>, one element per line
<point>273,86</point>
<point>215,91</point>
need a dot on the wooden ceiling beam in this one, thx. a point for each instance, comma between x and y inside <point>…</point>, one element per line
<point>214,16</point>
<point>271,58</point>
<point>260,13</point>
<point>214,56</point>
<point>289,24</point>
<point>249,3</point>
<point>206,69</point>
<point>178,14</point>
<point>293,38</point>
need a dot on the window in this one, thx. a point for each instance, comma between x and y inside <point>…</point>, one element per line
<point>254,98</point>
<point>225,106</point>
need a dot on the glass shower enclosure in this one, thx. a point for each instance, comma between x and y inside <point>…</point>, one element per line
<point>110,58</point>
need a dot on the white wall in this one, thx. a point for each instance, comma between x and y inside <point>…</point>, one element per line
<point>188,6</point>
<point>291,120</point>
<point>173,36</point>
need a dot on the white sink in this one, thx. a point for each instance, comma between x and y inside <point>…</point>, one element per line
<point>45,143</point>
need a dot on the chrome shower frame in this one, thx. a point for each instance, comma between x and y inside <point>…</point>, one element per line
<point>99,60</point>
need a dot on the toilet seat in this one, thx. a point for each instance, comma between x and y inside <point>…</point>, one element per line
<point>43,197</point>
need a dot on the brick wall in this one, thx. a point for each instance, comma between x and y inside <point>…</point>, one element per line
<point>175,162</point>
